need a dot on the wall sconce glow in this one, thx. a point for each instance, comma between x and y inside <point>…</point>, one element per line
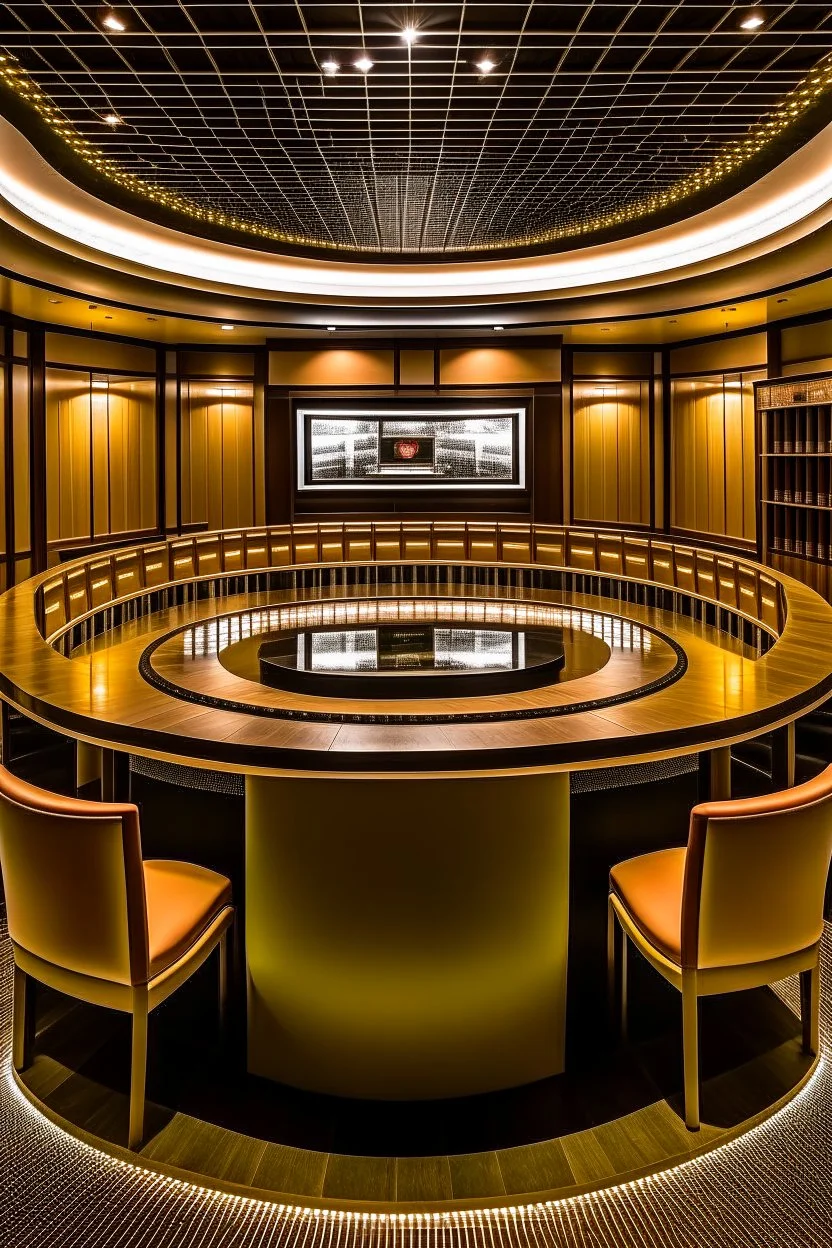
<point>409,35</point>
<point>363,64</point>
<point>330,67</point>
<point>112,22</point>
<point>100,385</point>
<point>485,65</point>
<point>752,22</point>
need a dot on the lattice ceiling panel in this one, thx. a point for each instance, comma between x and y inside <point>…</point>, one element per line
<point>588,107</point>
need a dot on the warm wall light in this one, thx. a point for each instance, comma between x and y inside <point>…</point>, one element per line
<point>752,22</point>
<point>100,385</point>
<point>112,22</point>
<point>363,64</point>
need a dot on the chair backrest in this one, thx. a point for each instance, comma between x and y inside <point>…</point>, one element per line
<point>755,876</point>
<point>72,872</point>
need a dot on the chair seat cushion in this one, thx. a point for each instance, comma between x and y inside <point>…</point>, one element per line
<point>650,889</point>
<point>182,901</point>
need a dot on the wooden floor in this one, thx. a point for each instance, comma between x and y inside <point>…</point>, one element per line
<point>616,1115</point>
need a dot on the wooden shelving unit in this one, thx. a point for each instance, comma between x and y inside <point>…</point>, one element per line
<point>795,446</point>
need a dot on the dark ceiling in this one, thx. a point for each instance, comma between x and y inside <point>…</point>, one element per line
<point>589,108</point>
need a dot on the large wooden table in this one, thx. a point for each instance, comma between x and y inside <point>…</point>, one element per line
<point>407,877</point>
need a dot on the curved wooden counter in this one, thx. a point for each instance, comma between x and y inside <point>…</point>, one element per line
<point>725,695</point>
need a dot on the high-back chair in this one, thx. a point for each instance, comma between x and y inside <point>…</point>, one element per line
<point>89,918</point>
<point>740,906</point>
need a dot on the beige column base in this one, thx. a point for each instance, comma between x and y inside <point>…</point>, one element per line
<point>407,938</point>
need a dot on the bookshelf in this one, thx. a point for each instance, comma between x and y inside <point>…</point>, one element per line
<point>795,440</point>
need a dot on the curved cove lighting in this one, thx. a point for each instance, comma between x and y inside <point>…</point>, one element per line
<point>791,201</point>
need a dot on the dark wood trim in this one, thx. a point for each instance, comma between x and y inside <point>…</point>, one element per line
<point>566,379</point>
<point>651,446</point>
<point>161,449</point>
<point>177,355</point>
<point>8,458</point>
<point>667,439</point>
<point>37,449</point>
<point>394,342</point>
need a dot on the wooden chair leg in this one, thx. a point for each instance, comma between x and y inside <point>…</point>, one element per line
<point>623,1016</point>
<point>223,979</point>
<point>22,1021</point>
<point>138,1074</point>
<point>690,1042</point>
<point>810,1008</point>
<point>611,976</point>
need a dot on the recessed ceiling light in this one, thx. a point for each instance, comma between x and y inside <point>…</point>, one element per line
<point>497,328</point>
<point>91,307</point>
<point>226,326</point>
<point>330,329</point>
<point>112,119</point>
<point>409,35</point>
<point>753,21</point>
<point>363,64</point>
<point>673,322</point>
<point>330,67</point>
<point>112,21</point>
<point>782,301</point>
<point>56,300</point>
<point>605,329</point>
<point>485,65</point>
<point>153,318</point>
<point>108,318</point>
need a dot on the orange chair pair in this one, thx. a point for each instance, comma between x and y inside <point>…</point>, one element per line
<point>740,906</point>
<point>89,918</point>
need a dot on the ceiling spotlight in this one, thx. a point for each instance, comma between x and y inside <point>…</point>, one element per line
<point>363,64</point>
<point>330,329</point>
<point>753,21</point>
<point>330,67</point>
<point>112,119</point>
<point>497,328</point>
<point>112,22</point>
<point>409,35</point>
<point>486,65</point>
<point>56,300</point>
<point>226,327</point>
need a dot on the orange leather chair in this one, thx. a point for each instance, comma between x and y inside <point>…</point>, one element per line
<point>741,906</point>
<point>89,918</point>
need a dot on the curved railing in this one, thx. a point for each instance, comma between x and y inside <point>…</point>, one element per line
<point>118,581</point>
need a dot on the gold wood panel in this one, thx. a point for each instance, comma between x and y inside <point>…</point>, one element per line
<point>611,451</point>
<point>485,366</point>
<point>724,695</point>
<point>331,366</point>
<point>713,456</point>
